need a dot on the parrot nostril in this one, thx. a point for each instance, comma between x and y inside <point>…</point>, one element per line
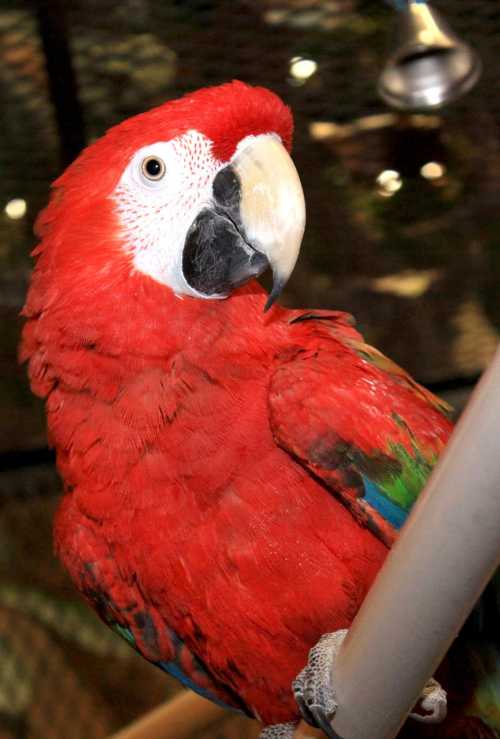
<point>227,189</point>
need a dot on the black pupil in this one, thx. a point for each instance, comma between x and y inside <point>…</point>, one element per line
<point>153,167</point>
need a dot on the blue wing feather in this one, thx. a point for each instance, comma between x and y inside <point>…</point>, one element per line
<point>174,669</point>
<point>378,499</point>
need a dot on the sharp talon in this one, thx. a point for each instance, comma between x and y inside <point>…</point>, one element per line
<point>433,700</point>
<point>322,721</point>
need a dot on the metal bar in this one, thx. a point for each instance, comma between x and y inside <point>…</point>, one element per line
<point>402,4</point>
<point>448,550</point>
<point>51,15</point>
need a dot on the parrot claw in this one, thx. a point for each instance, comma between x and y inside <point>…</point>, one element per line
<point>278,731</point>
<point>433,700</point>
<point>313,687</point>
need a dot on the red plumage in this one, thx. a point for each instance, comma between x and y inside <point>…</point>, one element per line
<point>173,466</point>
<point>187,434</point>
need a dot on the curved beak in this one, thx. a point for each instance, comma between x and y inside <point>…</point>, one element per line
<point>255,220</point>
<point>272,207</point>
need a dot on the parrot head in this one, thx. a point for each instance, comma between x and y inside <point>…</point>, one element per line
<point>199,194</point>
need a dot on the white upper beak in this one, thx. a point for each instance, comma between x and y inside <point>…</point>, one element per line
<point>272,206</point>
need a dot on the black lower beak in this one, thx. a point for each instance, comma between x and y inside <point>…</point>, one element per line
<point>217,256</point>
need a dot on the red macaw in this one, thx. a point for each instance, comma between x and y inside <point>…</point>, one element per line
<point>233,475</point>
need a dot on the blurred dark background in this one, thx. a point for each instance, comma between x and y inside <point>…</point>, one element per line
<point>403,232</point>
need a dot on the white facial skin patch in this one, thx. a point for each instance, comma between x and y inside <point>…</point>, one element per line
<point>166,186</point>
<point>156,210</point>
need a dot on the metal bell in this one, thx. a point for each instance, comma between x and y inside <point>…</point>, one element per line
<point>430,66</point>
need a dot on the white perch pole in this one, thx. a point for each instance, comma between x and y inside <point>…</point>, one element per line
<point>449,549</point>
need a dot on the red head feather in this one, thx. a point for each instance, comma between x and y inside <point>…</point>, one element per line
<point>79,216</point>
<point>83,275</point>
<point>225,114</point>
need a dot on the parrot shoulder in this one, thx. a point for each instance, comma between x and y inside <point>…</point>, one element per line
<point>356,420</point>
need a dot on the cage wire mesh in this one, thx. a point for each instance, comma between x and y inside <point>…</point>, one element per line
<point>418,266</point>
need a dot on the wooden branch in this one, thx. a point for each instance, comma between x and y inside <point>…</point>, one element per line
<point>304,731</point>
<point>183,716</point>
<point>180,718</point>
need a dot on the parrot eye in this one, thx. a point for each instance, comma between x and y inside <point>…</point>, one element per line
<point>153,168</point>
